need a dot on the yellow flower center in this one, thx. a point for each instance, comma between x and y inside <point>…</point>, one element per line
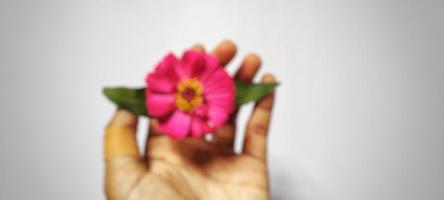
<point>189,94</point>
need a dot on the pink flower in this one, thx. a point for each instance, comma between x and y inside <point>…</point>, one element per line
<point>193,95</point>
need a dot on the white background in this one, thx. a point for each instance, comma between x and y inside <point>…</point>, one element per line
<point>359,114</point>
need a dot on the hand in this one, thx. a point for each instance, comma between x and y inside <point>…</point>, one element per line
<point>191,168</point>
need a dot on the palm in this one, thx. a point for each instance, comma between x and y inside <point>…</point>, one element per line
<point>195,169</point>
<point>191,168</point>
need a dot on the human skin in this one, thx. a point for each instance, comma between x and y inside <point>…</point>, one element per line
<point>192,168</point>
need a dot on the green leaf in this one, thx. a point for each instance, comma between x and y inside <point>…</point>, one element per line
<point>131,99</point>
<point>248,92</point>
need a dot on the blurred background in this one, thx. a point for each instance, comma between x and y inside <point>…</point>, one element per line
<point>359,114</point>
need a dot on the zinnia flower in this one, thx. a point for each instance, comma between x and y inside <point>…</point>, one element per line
<point>191,96</point>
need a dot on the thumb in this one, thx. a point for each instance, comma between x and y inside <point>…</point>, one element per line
<point>123,164</point>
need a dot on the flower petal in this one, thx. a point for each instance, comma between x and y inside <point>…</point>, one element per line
<point>201,111</point>
<point>220,91</point>
<point>199,127</point>
<point>159,105</point>
<point>167,67</point>
<point>217,115</point>
<point>177,125</point>
<point>224,101</point>
<point>212,63</point>
<point>159,83</point>
<point>191,64</point>
<point>219,78</point>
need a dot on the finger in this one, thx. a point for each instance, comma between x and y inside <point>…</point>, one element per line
<point>225,51</point>
<point>123,165</point>
<point>258,124</point>
<point>249,68</point>
<point>120,138</point>
<point>246,72</point>
<point>153,130</point>
<point>199,48</point>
